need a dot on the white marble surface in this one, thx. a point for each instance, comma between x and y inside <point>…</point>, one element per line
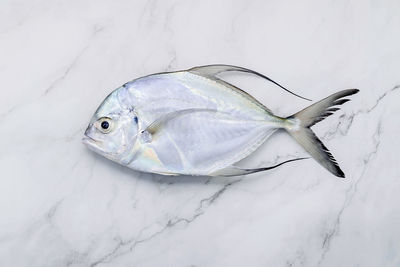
<point>62,205</point>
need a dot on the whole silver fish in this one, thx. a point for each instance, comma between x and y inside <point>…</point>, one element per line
<point>191,122</point>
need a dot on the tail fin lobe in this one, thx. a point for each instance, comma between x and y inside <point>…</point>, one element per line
<point>306,137</point>
<point>310,142</point>
<point>324,108</point>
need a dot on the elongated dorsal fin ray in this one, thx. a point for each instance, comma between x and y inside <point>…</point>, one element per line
<point>213,70</point>
<point>236,171</point>
<point>157,125</point>
<point>243,93</point>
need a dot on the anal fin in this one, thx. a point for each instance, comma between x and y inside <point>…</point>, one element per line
<point>236,171</point>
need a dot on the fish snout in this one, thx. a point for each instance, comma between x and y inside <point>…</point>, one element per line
<point>88,130</point>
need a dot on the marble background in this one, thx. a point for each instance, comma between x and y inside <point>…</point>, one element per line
<point>62,205</point>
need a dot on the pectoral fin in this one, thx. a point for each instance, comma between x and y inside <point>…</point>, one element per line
<point>236,171</point>
<point>157,125</point>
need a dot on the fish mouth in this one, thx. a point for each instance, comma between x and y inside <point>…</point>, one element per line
<point>91,143</point>
<point>87,140</point>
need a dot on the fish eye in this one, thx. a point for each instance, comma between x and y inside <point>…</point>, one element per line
<point>136,119</point>
<point>104,124</point>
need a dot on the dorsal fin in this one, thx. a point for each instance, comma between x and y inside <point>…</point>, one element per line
<point>240,91</point>
<point>213,70</point>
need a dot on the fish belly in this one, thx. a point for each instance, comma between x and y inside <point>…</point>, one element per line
<point>201,144</point>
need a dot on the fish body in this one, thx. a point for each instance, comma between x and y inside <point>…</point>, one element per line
<point>185,122</point>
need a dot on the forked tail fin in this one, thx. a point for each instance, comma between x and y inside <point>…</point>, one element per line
<point>304,119</point>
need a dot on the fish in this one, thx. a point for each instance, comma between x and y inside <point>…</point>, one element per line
<point>192,122</point>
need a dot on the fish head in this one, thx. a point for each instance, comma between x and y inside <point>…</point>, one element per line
<point>113,129</point>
